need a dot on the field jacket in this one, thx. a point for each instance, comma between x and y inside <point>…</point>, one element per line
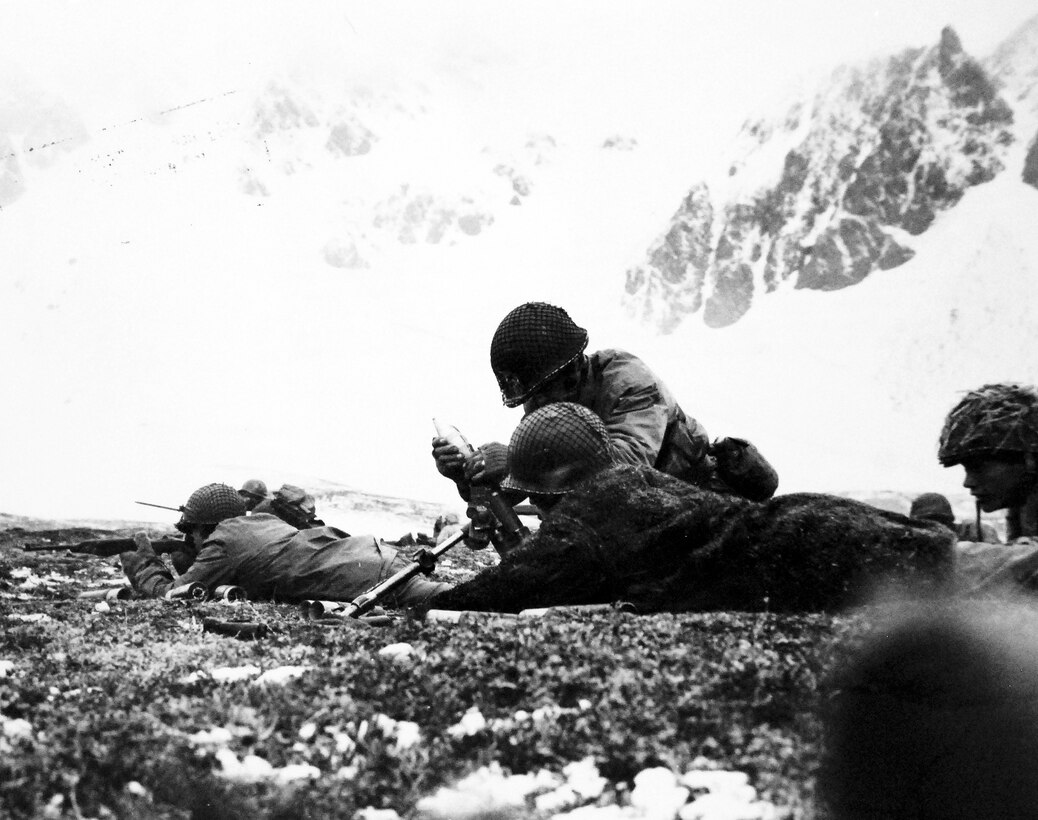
<point>646,425</point>
<point>273,560</point>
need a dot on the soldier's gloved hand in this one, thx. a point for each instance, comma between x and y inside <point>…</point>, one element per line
<point>134,561</point>
<point>481,527</point>
<point>450,461</point>
<point>488,465</point>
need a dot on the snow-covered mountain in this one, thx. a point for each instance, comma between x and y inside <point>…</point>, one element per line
<point>837,186</point>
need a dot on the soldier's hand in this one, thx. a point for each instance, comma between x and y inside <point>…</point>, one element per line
<point>450,461</point>
<point>135,560</point>
<point>481,527</point>
<point>488,465</point>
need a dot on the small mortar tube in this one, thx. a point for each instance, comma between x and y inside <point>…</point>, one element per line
<point>230,592</point>
<point>467,616</point>
<point>245,630</point>
<point>191,592</point>
<point>113,594</point>
<point>578,609</point>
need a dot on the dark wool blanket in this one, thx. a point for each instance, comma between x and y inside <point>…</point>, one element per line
<point>637,535</point>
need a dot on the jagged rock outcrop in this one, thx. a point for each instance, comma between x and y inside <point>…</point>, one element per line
<point>419,216</point>
<point>1030,173</point>
<point>1015,65</point>
<point>830,192</point>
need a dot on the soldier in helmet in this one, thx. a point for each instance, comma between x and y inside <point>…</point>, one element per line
<point>253,492</point>
<point>936,507</point>
<point>293,505</point>
<point>538,357</point>
<point>993,433</point>
<point>612,531</point>
<point>269,558</point>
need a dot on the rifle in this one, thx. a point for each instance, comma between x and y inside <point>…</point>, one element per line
<point>109,547</point>
<point>511,532</point>
<point>425,562</point>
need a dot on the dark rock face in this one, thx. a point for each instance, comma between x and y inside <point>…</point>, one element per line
<point>669,280</point>
<point>875,155</point>
<point>638,535</point>
<point>1030,174</point>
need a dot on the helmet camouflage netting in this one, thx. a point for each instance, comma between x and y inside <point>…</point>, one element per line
<point>997,418</point>
<point>212,504</point>
<point>533,343</point>
<point>554,448</point>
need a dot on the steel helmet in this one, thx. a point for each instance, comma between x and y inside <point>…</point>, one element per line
<point>212,504</point>
<point>254,488</point>
<point>533,343</point>
<point>556,447</point>
<point>997,418</point>
<point>932,507</point>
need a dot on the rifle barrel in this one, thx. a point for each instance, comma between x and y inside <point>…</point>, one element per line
<point>160,506</point>
<point>107,547</point>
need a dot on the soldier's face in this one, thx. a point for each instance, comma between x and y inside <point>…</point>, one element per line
<point>564,387</point>
<point>996,482</point>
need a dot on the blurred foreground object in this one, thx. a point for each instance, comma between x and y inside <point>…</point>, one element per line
<point>936,718</point>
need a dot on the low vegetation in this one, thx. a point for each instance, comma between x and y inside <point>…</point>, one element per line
<point>131,709</point>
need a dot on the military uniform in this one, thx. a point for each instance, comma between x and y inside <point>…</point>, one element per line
<point>537,346</point>
<point>634,534</point>
<point>646,426</point>
<point>273,560</point>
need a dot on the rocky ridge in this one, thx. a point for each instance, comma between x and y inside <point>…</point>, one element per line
<point>837,186</point>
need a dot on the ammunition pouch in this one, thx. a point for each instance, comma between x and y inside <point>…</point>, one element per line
<point>742,467</point>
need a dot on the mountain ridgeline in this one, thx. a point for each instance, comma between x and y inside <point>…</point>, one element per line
<point>838,185</point>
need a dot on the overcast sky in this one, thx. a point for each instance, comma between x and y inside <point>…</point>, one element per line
<point>119,58</point>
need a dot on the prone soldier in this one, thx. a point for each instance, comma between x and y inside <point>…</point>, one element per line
<point>270,558</point>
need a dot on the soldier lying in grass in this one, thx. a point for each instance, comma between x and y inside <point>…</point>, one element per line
<point>620,532</point>
<point>269,558</point>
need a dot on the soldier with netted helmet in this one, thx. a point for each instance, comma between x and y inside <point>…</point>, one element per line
<point>612,532</point>
<point>993,433</point>
<point>270,558</point>
<point>253,492</point>
<point>538,355</point>
<point>553,450</point>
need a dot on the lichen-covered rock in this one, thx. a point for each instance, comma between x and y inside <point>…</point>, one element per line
<point>637,535</point>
